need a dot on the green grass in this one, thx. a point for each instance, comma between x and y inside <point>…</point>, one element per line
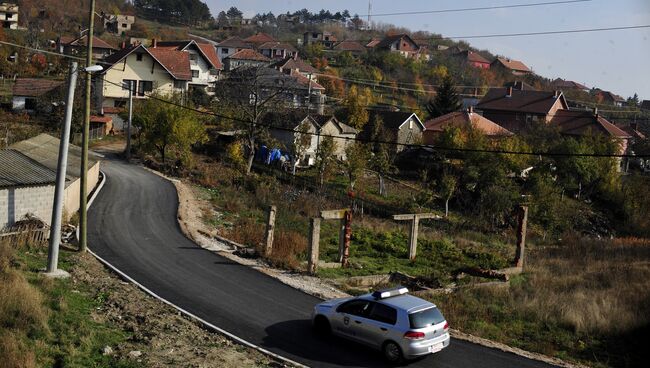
<point>72,337</point>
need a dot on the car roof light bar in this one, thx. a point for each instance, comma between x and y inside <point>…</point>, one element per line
<point>388,293</point>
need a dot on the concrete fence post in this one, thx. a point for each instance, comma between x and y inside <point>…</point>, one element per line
<point>314,240</point>
<point>347,236</point>
<point>413,241</point>
<point>270,229</point>
<point>522,217</point>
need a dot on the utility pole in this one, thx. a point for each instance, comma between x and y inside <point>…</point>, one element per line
<point>369,13</point>
<point>83,197</point>
<point>61,168</point>
<point>128,126</point>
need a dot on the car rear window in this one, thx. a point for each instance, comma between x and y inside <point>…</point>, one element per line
<point>427,317</point>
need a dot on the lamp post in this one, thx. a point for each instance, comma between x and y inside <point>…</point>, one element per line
<point>61,169</point>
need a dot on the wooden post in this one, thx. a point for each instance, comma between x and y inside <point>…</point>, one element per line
<point>522,216</point>
<point>415,222</point>
<point>314,240</point>
<point>270,229</point>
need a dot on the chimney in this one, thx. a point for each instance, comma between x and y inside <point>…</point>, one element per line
<point>596,111</point>
<point>557,94</point>
<point>509,93</point>
<point>154,43</point>
<point>470,109</point>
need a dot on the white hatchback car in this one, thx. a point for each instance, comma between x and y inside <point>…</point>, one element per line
<point>402,326</point>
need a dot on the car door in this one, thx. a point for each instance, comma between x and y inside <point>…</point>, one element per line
<point>380,322</point>
<point>347,320</point>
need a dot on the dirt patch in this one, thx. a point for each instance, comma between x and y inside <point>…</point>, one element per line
<point>160,335</point>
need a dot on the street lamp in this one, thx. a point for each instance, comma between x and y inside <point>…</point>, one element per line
<point>61,169</point>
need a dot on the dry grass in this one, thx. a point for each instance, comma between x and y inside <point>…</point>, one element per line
<point>246,231</point>
<point>288,246</point>
<point>14,352</point>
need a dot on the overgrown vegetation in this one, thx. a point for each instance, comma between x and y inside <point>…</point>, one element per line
<point>46,322</point>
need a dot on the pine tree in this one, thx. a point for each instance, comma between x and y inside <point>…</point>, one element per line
<point>447,99</point>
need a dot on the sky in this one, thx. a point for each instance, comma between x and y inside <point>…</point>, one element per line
<point>618,61</point>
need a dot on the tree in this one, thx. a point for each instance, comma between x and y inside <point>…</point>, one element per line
<point>246,96</point>
<point>234,13</point>
<point>165,127</point>
<point>356,160</point>
<point>447,188</point>
<point>325,159</point>
<point>357,112</point>
<point>447,99</point>
<point>383,155</point>
<point>301,143</point>
<point>633,101</point>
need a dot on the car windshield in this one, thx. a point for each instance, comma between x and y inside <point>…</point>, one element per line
<point>427,317</point>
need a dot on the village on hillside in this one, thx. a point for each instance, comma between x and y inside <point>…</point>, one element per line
<point>432,164</point>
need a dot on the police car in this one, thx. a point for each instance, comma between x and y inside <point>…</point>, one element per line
<point>400,325</point>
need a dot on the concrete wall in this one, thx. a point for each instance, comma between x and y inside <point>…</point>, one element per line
<point>341,143</point>
<point>18,103</point>
<point>73,191</point>
<point>15,203</point>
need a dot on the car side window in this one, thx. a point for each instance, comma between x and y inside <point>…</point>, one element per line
<point>383,313</point>
<point>355,307</point>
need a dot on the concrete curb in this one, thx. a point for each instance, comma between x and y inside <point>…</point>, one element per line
<point>183,311</point>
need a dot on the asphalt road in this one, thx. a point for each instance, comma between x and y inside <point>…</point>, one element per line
<point>132,225</point>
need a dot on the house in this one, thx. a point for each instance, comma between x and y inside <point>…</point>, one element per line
<point>401,43</point>
<point>245,58</point>
<point>645,105</point>
<point>9,15</point>
<point>518,110</point>
<point>77,46</point>
<point>146,69</point>
<point>353,47</point>
<point>326,39</point>
<point>403,128</point>
<point>464,120</point>
<point>520,85</point>
<point>204,63</point>
<point>101,125</point>
<point>44,149</point>
<point>28,91</point>
<point>607,97</point>
<point>277,50</point>
<point>372,43</point>
<point>515,67</point>
<point>294,65</point>
<point>583,123</point>
<point>632,129</point>
<point>118,23</point>
<point>26,187</point>
<point>286,128</point>
<point>473,59</point>
<point>566,85</point>
<point>259,39</point>
<point>231,46</point>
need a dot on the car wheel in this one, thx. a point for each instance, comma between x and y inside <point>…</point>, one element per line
<point>322,326</point>
<point>392,352</point>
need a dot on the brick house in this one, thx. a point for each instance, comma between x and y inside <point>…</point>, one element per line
<point>463,120</point>
<point>473,59</point>
<point>514,67</point>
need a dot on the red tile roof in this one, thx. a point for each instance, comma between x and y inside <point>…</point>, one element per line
<point>512,64</point>
<point>352,46</point>
<point>277,46</point>
<point>100,119</point>
<point>211,54</point>
<point>561,83</point>
<point>248,54</point>
<point>292,64</point>
<point>34,87</point>
<point>464,120</point>
<point>473,57</point>
<point>581,123</point>
<point>83,41</point>
<point>306,82</point>
<point>372,43</point>
<point>388,40</point>
<point>235,42</point>
<point>259,38</point>
<point>177,63</point>
<point>535,102</point>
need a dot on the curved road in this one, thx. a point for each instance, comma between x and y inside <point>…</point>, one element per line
<point>132,225</point>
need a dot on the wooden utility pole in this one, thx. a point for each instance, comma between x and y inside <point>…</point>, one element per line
<point>415,222</point>
<point>522,217</point>
<point>314,240</point>
<point>270,229</point>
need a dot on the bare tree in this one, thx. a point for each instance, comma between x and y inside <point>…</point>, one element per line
<point>247,95</point>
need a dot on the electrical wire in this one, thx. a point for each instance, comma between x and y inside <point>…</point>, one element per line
<point>494,7</point>
<point>375,141</point>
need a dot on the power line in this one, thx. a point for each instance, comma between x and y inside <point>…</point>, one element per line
<point>408,145</point>
<point>495,7</point>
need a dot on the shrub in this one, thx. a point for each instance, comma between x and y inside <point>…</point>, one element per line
<point>288,248</point>
<point>246,231</point>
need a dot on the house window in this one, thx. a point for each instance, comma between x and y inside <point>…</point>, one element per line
<point>124,25</point>
<point>179,84</point>
<point>128,82</point>
<point>10,16</point>
<point>30,104</point>
<point>224,51</point>
<point>195,73</point>
<point>193,58</point>
<point>144,87</point>
<point>410,124</point>
<point>138,57</point>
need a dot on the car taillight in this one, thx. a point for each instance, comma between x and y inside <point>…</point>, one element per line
<point>412,335</point>
<point>446,326</point>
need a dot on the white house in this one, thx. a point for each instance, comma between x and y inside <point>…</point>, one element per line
<point>9,15</point>
<point>27,92</point>
<point>231,46</point>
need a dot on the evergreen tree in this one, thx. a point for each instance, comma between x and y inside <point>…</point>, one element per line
<point>447,99</point>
